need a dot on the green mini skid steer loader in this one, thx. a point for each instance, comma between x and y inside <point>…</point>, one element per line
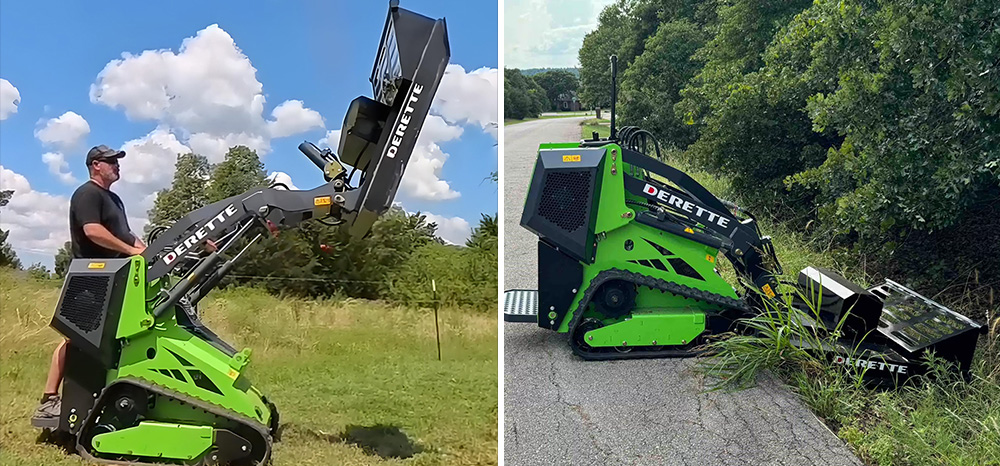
<point>146,381</point>
<point>627,250</point>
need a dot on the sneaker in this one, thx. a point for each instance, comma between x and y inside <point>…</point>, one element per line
<point>47,414</point>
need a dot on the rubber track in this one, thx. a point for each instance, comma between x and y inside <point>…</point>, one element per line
<point>210,408</point>
<point>656,284</point>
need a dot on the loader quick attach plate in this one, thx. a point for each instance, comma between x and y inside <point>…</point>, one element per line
<point>520,306</point>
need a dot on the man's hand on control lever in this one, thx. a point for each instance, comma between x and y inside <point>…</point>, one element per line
<point>210,246</point>
<point>138,247</point>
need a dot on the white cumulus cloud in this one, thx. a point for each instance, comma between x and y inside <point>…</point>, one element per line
<point>292,118</point>
<point>454,230</point>
<point>283,178</point>
<point>148,167</point>
<point>469,97</point>
<point>207,93</point>
<point>422,178</point>
<point>10,98</point>
<point>58,166</point>
<point>547,33</point>
<point>65,133</point>
<point>38,222</point>
<point>331,140</point>
<point>214,147</point>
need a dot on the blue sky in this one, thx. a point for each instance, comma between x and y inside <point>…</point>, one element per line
<point>308,60</point>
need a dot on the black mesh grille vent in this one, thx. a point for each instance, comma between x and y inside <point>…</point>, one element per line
<point>564,199</point>
<point>83,304</point>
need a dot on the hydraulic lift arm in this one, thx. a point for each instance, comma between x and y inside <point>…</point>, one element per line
<point>377,138</point>
<point>688,209</point>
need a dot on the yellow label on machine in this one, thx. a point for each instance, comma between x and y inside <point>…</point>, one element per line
<point>324,200</point>
<point>709,258</point>
<point>767,290</point>
<point>95,265</point>
<point>233,374</point>
<point>571,158</point>
<point>688,230</point>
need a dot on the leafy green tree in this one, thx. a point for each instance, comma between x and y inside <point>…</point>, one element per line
<point>911,87</point>
<point>485,235</point>
<point>598,46</point>
<point>8,258</point>
<point>750,128</point>
<point>919,114</point>
<point>743,28</point>
<point>557,83</point>
<point>624,27</point>
<point>63,257</point>
<point>186,194</point>
<point>38,271</point>
<point>241,171</point>
<point>652,85</point>
<point>465,276</point>
<point>523,97</point>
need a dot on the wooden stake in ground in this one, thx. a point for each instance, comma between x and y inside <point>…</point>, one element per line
<point>437,332</point>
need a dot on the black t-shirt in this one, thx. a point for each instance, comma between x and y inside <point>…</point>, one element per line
<point>93,204</point>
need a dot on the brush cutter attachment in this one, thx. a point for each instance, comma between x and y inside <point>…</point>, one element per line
<point>146,381</point>
<point>896,326</point>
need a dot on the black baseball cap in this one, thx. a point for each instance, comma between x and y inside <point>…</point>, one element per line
<point>103,152</point>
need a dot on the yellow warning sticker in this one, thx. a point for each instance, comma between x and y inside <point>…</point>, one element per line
<point>710,258</point>
<point>95,265</point>
<point>767,290</point>
<point>322,200</point>
<point>571,158</point>
<point>233,374</point>
<point>688,230</point>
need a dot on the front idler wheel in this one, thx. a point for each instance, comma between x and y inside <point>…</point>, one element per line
<point>580,336</point>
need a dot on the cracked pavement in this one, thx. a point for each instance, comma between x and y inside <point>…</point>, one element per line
<point>559,409</point>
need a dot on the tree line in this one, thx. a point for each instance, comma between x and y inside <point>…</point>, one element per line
<point>396,262</point>
<point>527,96</point>
<point>871,125</point>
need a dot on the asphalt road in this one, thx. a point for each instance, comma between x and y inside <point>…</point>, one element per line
<point>559,409</point>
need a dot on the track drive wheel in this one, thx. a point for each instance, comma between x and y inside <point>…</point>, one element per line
<point>615,298</point>
<point>579,335</point>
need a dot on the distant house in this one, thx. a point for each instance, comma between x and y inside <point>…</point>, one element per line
<point>568,102</point>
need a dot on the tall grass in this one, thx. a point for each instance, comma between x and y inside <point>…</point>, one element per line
<point>327,364</point>
<point>938,419</point>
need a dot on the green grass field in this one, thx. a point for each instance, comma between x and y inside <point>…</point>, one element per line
<point>602,126</point>
<point>327,365</point>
